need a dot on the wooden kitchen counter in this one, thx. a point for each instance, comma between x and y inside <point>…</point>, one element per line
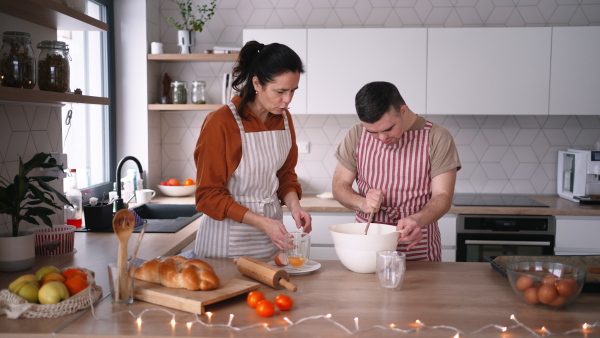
<point>556,206</point>
<point>466,296</point>
<point>94,251</point>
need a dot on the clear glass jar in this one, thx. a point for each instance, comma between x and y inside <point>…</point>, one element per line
<point>17,60</point>
<point>199,92</point>
<point>179,92</point>
<point>53,66</point>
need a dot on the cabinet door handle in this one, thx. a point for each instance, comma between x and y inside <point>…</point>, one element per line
<point>527,243</point>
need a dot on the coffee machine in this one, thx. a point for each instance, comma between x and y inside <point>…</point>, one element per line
<point>578,175</point>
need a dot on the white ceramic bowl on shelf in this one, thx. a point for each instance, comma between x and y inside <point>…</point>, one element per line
<point>356,250</point>
<point>177,191</point>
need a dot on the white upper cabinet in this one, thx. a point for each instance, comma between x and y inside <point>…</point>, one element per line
<point>341,61</point>
<point>296,40</point>
<point>575,81</point>
<point>488,71</point>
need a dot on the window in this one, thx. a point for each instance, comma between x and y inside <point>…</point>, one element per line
<point>88,130</point>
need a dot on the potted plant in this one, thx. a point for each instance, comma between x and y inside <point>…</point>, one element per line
<point>26,198</point>
<point>191,22</point>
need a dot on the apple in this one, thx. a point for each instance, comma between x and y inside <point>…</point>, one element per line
<point>53,292</point>
<point>163,183</point>
<point>24,278</point>
<point>28,290</point>
<point>46,270</point>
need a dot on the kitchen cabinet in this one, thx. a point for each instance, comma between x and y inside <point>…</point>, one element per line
<point>488,71</point>
<point>341,61</point>
<point>577,235</point>
<point>321,245</point>
<point>575,70</point>
<point>188,58</point>
<point>296,40</point>
<point>447,225</point>
<point>52,15</point>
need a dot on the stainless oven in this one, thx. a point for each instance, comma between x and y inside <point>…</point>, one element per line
<point>494,235</point>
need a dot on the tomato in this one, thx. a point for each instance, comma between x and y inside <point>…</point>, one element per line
<point>163,183</point>
<point>254,297</point>
<point>173,182</point>
<point>284,302</point>
<point>265,308</point>
<point>189,181</point>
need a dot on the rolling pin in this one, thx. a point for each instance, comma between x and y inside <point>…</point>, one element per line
<point>264,273</point>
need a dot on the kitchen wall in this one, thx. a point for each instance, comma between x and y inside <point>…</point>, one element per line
<point>507,154</point>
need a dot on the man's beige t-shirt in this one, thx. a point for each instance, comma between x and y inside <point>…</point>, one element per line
<point>443,155</point>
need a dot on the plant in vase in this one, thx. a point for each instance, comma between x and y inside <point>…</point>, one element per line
<point>26,198</point>
<point>191,22</point>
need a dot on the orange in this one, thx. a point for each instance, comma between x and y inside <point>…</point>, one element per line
<point>75,285</point>
<point>173,182</point>
<point>189,181</point>
<point>51,277</point>
<point>74,272</point>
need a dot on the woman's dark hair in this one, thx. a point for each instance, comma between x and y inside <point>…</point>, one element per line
<point>375,99</point>
<point>265,62</point>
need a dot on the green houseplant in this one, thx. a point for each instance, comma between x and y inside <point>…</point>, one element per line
<point>24,198</point>
<point>191,22</point>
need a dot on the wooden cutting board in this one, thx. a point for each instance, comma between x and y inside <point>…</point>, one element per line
<point>191,301</point>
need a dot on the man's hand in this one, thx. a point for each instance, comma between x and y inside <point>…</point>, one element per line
<point>410,232</point>
<point>373,200</point>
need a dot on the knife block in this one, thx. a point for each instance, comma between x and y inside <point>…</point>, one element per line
<point>98,217</point>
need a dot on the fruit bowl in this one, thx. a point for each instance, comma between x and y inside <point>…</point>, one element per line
<point>357,251</point>
<point>177,191</point>
<point>546,284</point>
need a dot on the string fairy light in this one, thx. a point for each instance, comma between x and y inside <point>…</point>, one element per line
<point>414,328</point>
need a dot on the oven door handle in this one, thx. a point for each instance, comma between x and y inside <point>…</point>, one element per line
<point>527,243</point>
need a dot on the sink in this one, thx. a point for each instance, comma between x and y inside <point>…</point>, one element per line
<point>166,218</point>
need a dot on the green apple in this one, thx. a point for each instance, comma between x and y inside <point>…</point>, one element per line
<point>53,292</point>
<point>46,270</point>
<point>24,278</point>
<point>28,290</point>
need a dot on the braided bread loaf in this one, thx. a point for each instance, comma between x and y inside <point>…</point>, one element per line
<point>179,272</point>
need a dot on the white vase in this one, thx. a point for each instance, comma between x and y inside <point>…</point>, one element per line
<point>185,40</point>
<point>17,253</point>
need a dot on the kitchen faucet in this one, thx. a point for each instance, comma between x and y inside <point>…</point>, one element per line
<point>119,201</point>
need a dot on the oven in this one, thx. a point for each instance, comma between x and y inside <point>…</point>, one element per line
<point>479,236</point>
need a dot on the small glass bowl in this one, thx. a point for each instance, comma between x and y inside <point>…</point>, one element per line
<point>546,284</point>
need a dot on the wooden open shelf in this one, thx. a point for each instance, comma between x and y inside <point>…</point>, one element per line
<point>51,14</point>
<point>158,106</point>
<point>193,57</point>
<point>39,96</point>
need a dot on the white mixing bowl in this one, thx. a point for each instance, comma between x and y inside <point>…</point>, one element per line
<point>357,250</point>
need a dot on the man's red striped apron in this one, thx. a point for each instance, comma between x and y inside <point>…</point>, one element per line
<point>403,170</point>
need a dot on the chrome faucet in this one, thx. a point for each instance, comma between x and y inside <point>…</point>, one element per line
<point>118,203</point>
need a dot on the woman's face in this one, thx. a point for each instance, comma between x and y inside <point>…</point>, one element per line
<point>276,95</point>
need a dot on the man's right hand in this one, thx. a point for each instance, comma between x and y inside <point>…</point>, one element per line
<point>373,200</point>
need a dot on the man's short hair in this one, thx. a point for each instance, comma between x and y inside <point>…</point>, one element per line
<point>374,99</point>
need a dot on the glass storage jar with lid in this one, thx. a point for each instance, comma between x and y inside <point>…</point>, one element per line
<point>199,92</point>
<point>179,92</point>
<point>17,60</point>
<point>53,66</point>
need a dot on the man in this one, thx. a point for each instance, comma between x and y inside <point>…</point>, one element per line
<point>404,167</point>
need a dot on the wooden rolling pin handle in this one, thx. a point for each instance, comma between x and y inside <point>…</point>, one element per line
<point>288,285</point>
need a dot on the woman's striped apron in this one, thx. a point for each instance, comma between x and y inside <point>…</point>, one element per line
<point>253,184</point>
<point>403,169</point>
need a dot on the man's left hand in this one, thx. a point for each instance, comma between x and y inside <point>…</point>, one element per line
<point>410,232</point>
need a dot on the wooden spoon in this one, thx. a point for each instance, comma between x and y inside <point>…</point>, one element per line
<point>370,219</point>
<point>123,224</point>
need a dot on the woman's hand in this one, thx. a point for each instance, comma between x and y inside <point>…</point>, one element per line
<point>303,220</point>
<point>276,232</point>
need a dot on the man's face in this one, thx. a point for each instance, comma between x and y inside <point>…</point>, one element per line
<point>389,128</point>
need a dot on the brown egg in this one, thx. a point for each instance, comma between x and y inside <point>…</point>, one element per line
<point>547,293</point>
<point>558,301</point>
<point>524,283</point>
<point>531,295</point>
<point>567,287</point>
<point>550,280</point>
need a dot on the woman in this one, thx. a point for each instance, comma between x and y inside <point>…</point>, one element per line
<point>245,158</point>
